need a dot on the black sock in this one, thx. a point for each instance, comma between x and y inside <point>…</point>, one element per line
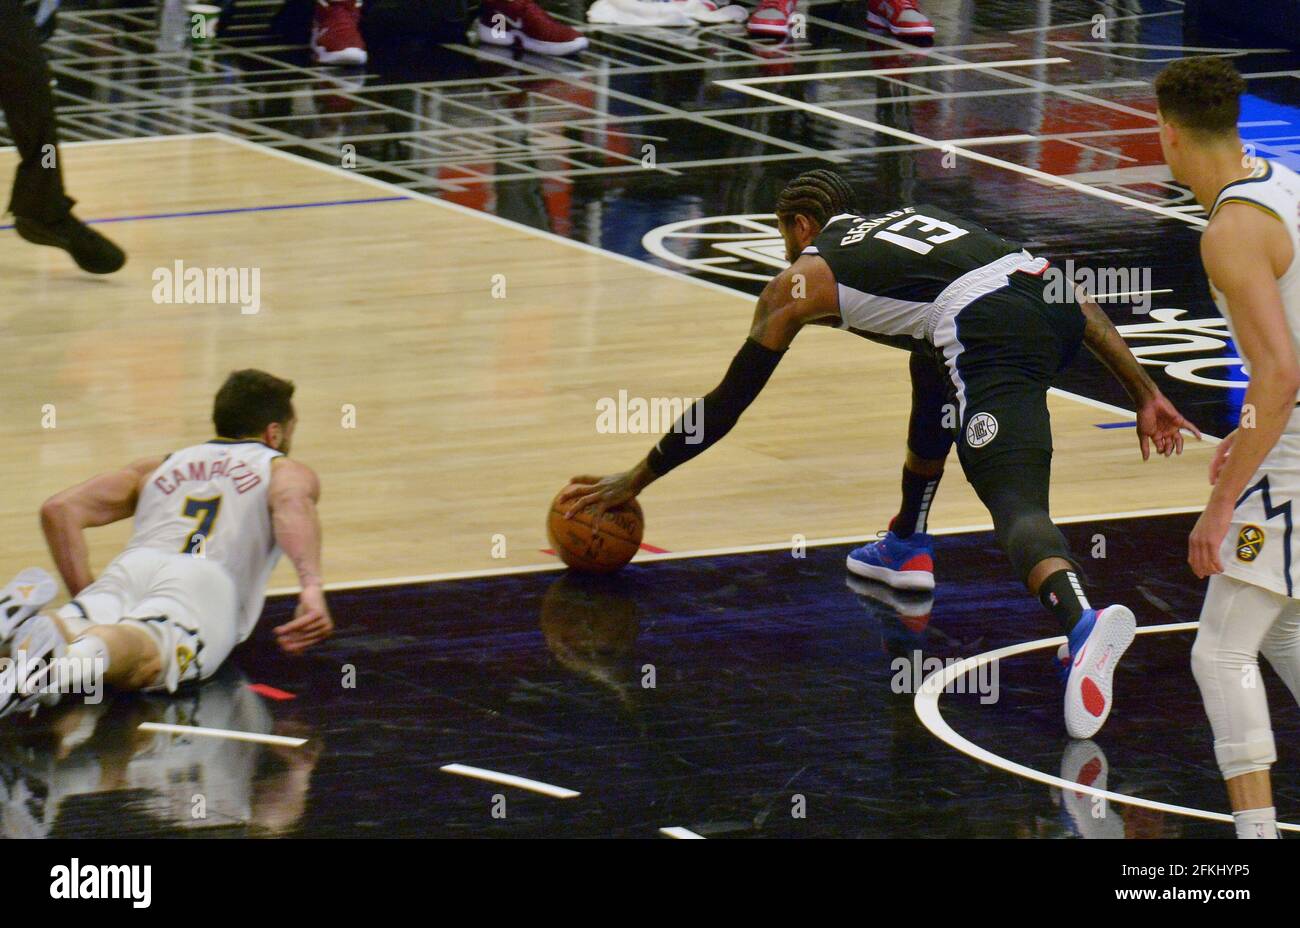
<point>1063,596</point>
<point>918,491</point>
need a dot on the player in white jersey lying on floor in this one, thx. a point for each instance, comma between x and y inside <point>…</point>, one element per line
<point>210,523</point>
<point>1244,540</point>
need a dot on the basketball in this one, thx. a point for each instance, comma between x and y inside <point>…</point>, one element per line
<point>596,547</point>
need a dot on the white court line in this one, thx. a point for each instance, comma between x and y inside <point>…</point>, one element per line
<point>509,779</point>
<point>1109,20</point>
<point>1115,296</point>
<point>676,831</point>
<point>992,139</point>
<point>132,140</point>
<point>645,558</point>
<point>228,734</point>
<point>913,69</point>
<point>926,704</point>
<point>744,86</point>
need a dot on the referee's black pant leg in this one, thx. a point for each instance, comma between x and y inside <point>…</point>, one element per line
<point>28,105</point>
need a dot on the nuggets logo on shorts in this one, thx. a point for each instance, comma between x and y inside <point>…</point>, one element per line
<point>183,657</point>
<point>1250,541</point>
<point>981,429</point>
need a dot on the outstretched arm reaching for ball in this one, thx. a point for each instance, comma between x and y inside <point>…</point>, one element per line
<point>295,490</point>
<point>802,294</point>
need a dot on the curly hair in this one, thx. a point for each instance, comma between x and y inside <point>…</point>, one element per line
<point>1201,94</point>
<point>817,194</point>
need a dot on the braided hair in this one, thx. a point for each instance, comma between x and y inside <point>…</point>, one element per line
<point>818,194</point>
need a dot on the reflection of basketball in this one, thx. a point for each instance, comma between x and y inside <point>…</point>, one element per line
<point>589,622</point>
<point>596,549</point>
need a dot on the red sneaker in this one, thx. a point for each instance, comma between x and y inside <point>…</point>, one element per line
<point>901,17</point>
<point>504,22</point>
<point>772,18</point>
<point>336,34</point>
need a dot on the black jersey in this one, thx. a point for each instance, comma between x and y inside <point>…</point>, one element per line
<point>900,274</point>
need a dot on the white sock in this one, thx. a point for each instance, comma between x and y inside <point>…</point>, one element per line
<point>1256,823</point>
<point>80,662</point>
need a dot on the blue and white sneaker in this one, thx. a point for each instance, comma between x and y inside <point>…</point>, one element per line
<point>903,563</point>
<point>1096,644</point>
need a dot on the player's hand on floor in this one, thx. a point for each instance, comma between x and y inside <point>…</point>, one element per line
<point>1221,456</point>
<point>1159,422</point>
<point>1207,535</point>
<point>311,623</point>
<point>601,492</point>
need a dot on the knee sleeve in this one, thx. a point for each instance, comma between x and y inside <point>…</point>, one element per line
<point>1243,738</point>
<point>1238,758</point>
<point>1014,488</point>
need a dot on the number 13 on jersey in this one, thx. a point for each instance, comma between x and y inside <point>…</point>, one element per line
<point>921,246</point>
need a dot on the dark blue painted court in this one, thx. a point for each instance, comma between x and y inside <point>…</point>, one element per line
<point>718,694</point>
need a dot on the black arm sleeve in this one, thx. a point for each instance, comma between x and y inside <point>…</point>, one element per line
<point>712,416</point>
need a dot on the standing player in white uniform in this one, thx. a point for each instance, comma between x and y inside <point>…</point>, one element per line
<point>210,524</point>
<point>1245,540</point>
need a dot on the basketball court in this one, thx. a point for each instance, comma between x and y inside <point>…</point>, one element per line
<point>457,262</point>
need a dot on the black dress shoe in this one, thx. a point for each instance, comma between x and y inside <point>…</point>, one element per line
<point>88,248</point>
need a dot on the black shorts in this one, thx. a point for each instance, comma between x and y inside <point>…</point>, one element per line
<point>1010,346</point>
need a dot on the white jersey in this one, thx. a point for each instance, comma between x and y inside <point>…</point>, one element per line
<point>1275,189</point>
<point>210,501</point>
<point>1262,546</point>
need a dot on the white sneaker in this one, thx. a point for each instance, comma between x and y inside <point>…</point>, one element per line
<point>1096,645</point>
<point>26,595</point>
<point>25,681</point>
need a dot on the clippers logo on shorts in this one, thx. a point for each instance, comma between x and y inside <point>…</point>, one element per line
<point>1250,541</point>
<point>981,429</point>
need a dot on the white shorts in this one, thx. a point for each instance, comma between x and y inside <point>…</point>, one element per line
<point>1262,546</point>
<point>188,605</point>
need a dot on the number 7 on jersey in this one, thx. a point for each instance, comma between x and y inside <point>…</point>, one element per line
<point>205,511</point>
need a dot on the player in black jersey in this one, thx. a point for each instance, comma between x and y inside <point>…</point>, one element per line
<point>985,344</point>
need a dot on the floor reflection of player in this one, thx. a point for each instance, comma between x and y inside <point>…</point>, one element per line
<point>1085,815</point>
<point>904,615</point>
<point>182,781</point>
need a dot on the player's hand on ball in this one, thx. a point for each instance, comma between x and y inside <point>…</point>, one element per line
<point>311,622</point>
<point>1160,422</point>
<point>1207,535</point>
<point>1221,457</point>
<point>601,492</point>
